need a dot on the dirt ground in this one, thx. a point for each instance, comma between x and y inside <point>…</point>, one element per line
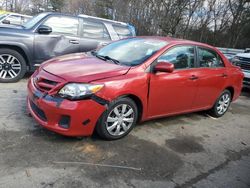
<point>192,150</point>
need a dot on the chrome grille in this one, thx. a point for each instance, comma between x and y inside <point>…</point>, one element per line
<point>244,59</point>
<point>244,66</point>
<point>246,80</point>
<point>243,63</point>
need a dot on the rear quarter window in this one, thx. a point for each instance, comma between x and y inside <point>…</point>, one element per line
<point>122,31</point>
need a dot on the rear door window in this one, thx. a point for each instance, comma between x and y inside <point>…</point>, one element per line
<point>122,31</point>
<point>209,58</point>
<point>95,30</point>
<point>63,25</point>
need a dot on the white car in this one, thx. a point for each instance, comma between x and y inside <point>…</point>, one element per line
<point>243,61</point>
<point>14,19</point>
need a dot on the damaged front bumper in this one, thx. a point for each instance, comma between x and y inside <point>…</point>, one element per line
<point>70,118</point>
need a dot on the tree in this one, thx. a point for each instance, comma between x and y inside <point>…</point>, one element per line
<point>240,11</point>
<point>57,5</point>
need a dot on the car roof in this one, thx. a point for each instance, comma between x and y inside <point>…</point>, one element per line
<point>172,40</point>
<point>102,19</point>
<point>57,13</point>
<point>87,17</point>
<point>17,14</point>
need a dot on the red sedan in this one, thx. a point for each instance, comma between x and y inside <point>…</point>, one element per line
<point>130,81</point>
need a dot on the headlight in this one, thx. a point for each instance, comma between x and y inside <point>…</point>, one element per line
<point>75,91</point>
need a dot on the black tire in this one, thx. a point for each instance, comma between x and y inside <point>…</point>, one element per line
<point>19,58</point>
<point>215,112</point>
<point>102,124</point>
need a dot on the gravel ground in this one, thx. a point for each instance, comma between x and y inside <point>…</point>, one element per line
<point>192,150</point>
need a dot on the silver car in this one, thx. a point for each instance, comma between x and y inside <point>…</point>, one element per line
<point>14,18</point>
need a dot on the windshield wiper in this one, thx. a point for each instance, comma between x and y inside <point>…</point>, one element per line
<point>112,59</point>
<point>94,53</point>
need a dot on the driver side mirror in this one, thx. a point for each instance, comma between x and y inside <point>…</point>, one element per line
<point>164,67</point>
<point>6,21</point>
<point>43,29</point>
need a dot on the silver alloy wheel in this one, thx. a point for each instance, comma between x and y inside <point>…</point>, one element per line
<point>120,119</point>
<point>223,103</point>
<point>10,67</point>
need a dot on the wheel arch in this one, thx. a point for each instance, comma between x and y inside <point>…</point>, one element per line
<point>138,103</point>
<point>20,50</point>
<point>231,90</point>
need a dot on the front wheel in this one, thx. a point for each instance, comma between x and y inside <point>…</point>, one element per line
<point>118,120</point>
<point>222,104</point>
<point>12,66</point>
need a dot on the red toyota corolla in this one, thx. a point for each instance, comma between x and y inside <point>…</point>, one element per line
<point>130,81</point>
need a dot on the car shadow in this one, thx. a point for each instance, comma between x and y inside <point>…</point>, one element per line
<point>27,75</point>
<point>245,92</point>
<point>182,119</point>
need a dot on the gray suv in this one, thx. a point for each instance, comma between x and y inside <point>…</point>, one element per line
<point>47,35</point>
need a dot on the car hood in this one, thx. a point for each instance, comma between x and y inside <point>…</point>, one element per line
<point>81,67</point>
<point>246,55</point>
<point>9,26</point>
<point>12,31</point>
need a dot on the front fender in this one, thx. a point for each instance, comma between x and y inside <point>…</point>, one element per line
<point>126,85</point>
<point>19,46</point>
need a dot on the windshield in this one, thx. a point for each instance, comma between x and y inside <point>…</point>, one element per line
<point>132,52</point>
<point>3,16</point>
<point>33,21</point>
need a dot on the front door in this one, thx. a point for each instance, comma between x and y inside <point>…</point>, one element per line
<point>171,93</point>
<point>63,39</point>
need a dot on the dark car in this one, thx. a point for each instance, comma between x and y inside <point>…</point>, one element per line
<point>52,34</point>
<point>130,81</point>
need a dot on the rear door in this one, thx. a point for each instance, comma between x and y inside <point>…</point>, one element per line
<point>212,77</point>
<point>93,34</point>
<point>63,39</point>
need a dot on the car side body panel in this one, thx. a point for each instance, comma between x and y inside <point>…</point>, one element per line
<point>211,82</point>
<point>22,40</point>
<point>167,88</point>
<point>199,99</point>
<point>127,85</point>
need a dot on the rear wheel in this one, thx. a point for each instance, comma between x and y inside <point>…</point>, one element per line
<point>12,66</point>
<point>118,120</point>
<point>222,104</point>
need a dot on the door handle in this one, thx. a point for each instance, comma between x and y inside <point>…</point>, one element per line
<point>193,77</point>
<point>74,41</point>
<point>224,75</point>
